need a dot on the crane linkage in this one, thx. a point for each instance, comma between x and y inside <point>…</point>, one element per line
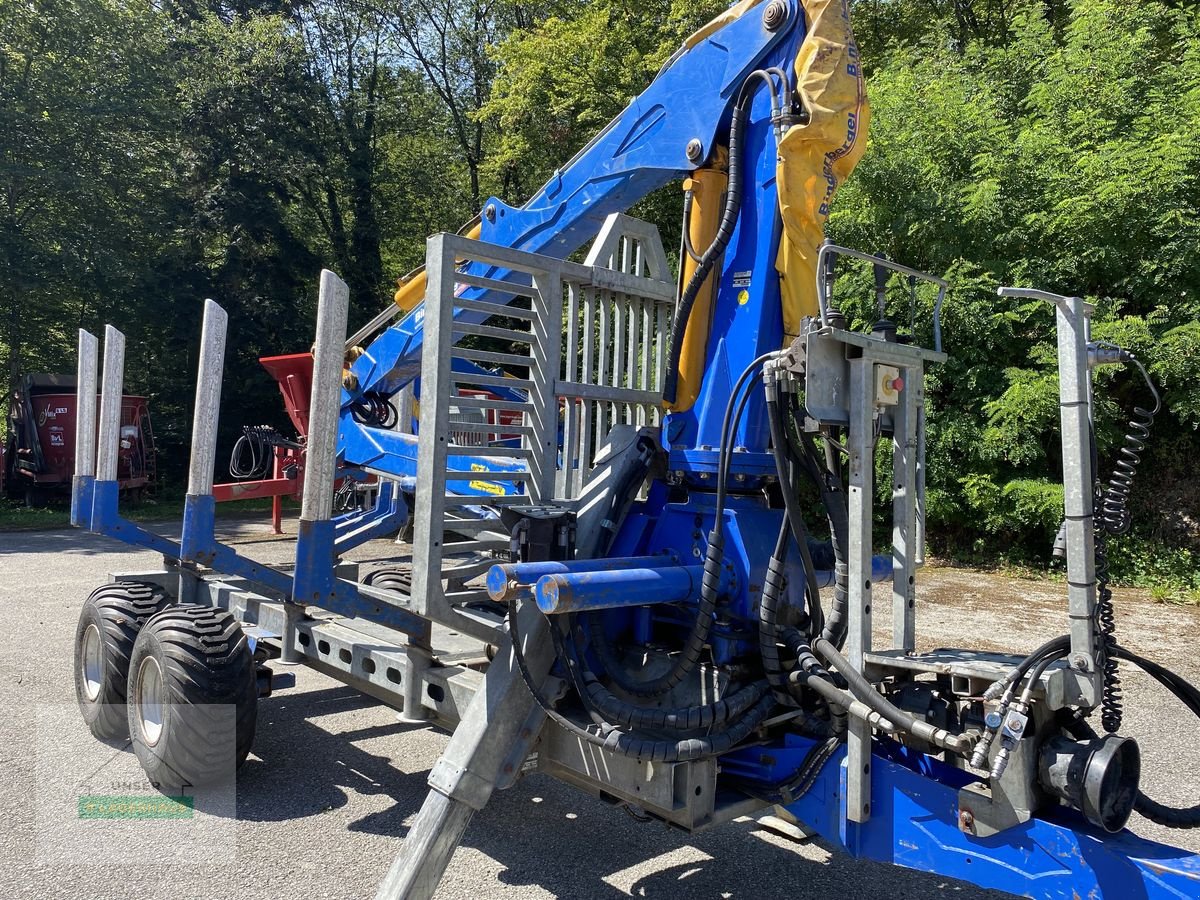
<point>615,577</point>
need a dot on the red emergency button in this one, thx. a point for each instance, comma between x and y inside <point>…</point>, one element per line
<point>897,384</point>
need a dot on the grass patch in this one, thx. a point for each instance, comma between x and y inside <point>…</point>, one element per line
<point>18,517</point>
<point>1168,574</point>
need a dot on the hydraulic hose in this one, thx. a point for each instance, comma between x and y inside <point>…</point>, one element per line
<point>768,625</point>
<point>253,452</point>
<point>1007,685</point>
<point>864,691</point>
<point>609,710</point>
<point>714,556</point>
<point>795,786</point>
<point>794,518</point>
<point>833,496</point>
<point>375,410</point>
<point>616,711</point>
<point>633,745</point>
<point>729,217</point>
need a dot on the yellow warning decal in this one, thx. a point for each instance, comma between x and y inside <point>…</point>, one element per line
<point>488,487</point>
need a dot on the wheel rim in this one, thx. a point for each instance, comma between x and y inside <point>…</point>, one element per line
<point>92,662</point>
<point>150,700</point>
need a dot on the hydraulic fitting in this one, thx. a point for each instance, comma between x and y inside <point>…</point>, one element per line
<point>1016,722</point>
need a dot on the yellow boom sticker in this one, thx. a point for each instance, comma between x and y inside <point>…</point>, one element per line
<point>488,487</point>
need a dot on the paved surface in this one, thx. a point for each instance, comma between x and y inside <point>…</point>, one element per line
<point>335,780</point>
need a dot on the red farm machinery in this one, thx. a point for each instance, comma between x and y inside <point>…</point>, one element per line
<point>38,458</point>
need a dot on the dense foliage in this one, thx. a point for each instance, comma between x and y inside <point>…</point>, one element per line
<point>154,153</point>
<point>1058,147</point>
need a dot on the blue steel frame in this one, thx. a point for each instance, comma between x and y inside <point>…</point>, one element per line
<point>915,823</point>
<point>315,581</point>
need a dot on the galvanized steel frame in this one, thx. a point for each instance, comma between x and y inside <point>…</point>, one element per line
<point>595,340</point>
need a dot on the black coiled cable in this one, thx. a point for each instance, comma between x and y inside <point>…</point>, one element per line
<point>1114,507</point>
<point>374,410</point>
<point>1113,519</point>
<point>1112,709</point>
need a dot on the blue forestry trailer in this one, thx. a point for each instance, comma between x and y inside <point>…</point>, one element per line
<point>628,592</point>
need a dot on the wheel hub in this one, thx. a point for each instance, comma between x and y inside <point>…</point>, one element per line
<point>92,662</point>
<point>150,700</point>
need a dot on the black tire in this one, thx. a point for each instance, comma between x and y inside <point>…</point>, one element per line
<point>205,671</point>
<point>109,623</point>
<point>392,579</point>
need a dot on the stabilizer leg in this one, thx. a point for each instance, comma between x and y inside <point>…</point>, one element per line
<point>485,752</point>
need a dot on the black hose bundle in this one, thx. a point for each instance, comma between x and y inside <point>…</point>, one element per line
<point>254,452</point>
<point>710,581</point>
<point>628,743</point>
<point>833,496</point>
<point>785,471</point>
<point>768,624</point>
<point>608,710</point>
<point>374,410</point>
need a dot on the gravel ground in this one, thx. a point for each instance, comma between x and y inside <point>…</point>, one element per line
<point>335,779</point>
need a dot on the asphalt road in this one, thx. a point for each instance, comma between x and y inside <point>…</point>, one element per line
<point>335,780</point>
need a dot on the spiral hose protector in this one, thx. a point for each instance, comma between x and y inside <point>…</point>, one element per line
<point>834,498</point>
<point>633,745</point>
<point>768,624</point>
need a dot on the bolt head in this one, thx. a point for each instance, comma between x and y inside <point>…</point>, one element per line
<point>966,821</point>
<point>775,15</point>
<point>695,150</point>
<point>489,212</point>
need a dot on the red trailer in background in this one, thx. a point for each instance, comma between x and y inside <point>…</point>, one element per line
<point>39,457</point>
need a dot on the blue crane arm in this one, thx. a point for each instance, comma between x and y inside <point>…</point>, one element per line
<point>644,148</point>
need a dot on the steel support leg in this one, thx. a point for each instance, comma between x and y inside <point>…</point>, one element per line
<point>486,751</point>
<point>861,445</point>
<point>85,430</point>
<point>419,652</point>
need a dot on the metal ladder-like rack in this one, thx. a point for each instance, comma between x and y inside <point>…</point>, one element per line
<point>583,344</point>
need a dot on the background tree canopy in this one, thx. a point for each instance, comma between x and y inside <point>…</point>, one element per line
<point>153,153</point>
